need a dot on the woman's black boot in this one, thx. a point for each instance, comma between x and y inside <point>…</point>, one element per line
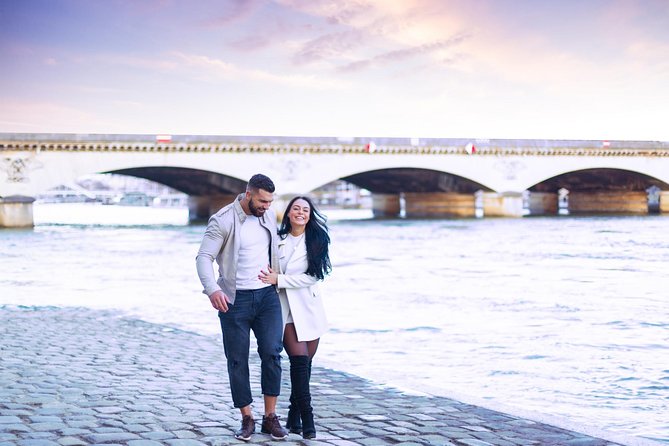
<point>299,378</point>
<point>293,421</point>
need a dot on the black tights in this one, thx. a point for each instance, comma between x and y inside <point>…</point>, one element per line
<point>294,347</point>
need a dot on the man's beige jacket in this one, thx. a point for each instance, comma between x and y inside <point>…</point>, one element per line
<point>221,243</point>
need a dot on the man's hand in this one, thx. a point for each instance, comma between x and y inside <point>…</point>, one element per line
<point>219,301</point>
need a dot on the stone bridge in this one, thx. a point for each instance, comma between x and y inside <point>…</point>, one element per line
<point>418,177</point>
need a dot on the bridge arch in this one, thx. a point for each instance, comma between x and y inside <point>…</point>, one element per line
<point>418,192</point>
<point>599,190</point>
<point>592,179</point>
<point>413,180</point>
<point>194,182</point>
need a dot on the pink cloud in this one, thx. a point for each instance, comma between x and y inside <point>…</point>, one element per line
<point>404,53</point>
<point>328,46</point>
<point>235,10</point>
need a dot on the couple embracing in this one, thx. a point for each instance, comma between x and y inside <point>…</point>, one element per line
<point>268,283</point>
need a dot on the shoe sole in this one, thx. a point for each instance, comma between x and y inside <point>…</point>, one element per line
<point>239,437</point>
<point>274,437</point>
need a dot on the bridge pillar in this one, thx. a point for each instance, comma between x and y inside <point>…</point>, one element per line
<point>439,204</point>
<point>386,205</point>
<point>622,202</point>
<point>664,202</point>
<point>542,203</point>
<point>508,204</point>
<point>16,211</point>
<point>200,208</point>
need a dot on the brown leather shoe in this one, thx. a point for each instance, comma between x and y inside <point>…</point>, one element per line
<point>247,429</point>
<point>272,426</point>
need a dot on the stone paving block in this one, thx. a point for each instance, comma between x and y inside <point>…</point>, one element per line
<point>9,419</point>
<point>14,406</point>
<point>157,435</point>
<point>45,419</point>
<point>503,442</point>
<point>173,426</point>
<point>140,407</point>
<point>401,430</point>
<point>374,432</point>
<point>348,435</point>
<point>37,443</point>
<point>184,442</point>
<point>43,427</point>
<point>79,417</point>
<point>72,431</point>
<point>112,423</point>
<point>437,440</point>
<point>429,429</point>
<point>134,419</point>
<point>374,441</point>
<point>136,428</point>
<point>50,410</point>
<point>14,428</point>
<point>108,430</point>
<point>486,436</point>
<point>83,424</point>
<point>7,412</point>
<point>144,443</point>
<point>475,428</point>
<point>111,437</point>
<point>315,442</point>
<point>585,441</point>
<point>185,434</point>
<point>423,417</point>
<point>206,424</point>
<point>220,441</point>
<point>373,417</point>
<point>71,441</point>
<point>344,443</point>
<point>215,431</point>
<point>472,442</point>
<point>37,435</point>
<point>455,432</point>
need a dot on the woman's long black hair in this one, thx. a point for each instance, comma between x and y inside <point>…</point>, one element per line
<point>316,238</point>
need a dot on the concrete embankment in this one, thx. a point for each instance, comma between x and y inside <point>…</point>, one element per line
<point>73,376</point>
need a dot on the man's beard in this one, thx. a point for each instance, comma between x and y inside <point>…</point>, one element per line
<point>258,212</point>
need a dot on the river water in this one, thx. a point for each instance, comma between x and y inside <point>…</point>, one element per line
<point>564,316</point>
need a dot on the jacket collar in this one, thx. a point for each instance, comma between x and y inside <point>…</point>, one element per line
<point>240,211</point>
<point>238,208</point>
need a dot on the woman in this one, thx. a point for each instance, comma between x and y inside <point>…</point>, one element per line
<point>304,260</point>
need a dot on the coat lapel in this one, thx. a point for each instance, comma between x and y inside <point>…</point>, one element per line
<point>289,253</point>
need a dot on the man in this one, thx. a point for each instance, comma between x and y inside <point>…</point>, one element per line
<point>242,238</point>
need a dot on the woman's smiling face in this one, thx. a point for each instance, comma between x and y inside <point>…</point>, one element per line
<point>299,213</point>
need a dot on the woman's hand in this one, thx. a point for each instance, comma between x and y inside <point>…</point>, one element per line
<point>269,276</point>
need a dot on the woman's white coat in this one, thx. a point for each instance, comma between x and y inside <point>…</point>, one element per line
<point>300,293</point>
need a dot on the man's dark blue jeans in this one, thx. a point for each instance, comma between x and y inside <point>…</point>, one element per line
<point>260,311</point>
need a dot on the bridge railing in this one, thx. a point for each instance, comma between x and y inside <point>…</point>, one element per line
<point>384,146</point>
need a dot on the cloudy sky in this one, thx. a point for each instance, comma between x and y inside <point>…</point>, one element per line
<point>568,69</point>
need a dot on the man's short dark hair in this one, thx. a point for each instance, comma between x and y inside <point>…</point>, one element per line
<point>260,181</point>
